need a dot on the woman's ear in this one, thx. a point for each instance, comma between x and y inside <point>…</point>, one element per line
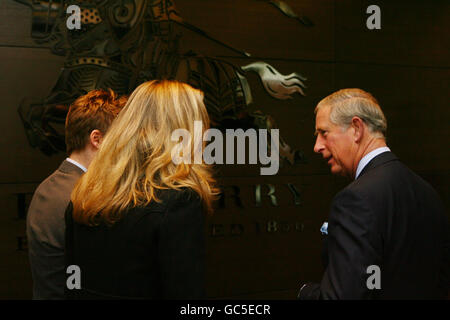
<point>359,128</point>
<point>95,138</point>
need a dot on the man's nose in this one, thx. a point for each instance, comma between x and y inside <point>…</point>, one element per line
<point>318,147</point>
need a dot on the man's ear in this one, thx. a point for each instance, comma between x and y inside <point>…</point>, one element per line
<point>359,128</point>
<point>95,138</point>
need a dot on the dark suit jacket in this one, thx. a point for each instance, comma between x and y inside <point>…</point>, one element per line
<point>45,231</point>
<point>391,218</point>
<point>154,252</point>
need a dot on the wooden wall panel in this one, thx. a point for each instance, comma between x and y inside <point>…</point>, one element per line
<point>15,273</point>
<point>15,25</point>
<point>261,29</point>
<point>413,32</point>
<point>25,73</point>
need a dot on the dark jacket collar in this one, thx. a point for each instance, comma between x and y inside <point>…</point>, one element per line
<point>70,168</point>
<point>379,160</point>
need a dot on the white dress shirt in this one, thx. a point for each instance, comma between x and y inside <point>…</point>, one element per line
<point>366,159</point>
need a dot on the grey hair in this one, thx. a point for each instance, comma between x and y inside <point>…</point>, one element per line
<point>348,103</point>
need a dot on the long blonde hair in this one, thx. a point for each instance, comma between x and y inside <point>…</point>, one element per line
<point>134,159</point>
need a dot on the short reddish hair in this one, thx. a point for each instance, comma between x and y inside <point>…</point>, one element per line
<point>95,110</point>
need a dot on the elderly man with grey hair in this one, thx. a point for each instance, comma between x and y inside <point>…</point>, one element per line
<point>388,235</point>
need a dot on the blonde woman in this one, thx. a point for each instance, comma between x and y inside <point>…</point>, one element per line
<point>135,224</point>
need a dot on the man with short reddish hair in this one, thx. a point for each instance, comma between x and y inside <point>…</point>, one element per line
<point>87,121</point>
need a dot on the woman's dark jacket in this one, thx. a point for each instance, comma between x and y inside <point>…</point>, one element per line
<point>153,252</point>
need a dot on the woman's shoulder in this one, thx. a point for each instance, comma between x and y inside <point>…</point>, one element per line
<point>168,199</point>
<point>178,196</point>
<point>172,203</point>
